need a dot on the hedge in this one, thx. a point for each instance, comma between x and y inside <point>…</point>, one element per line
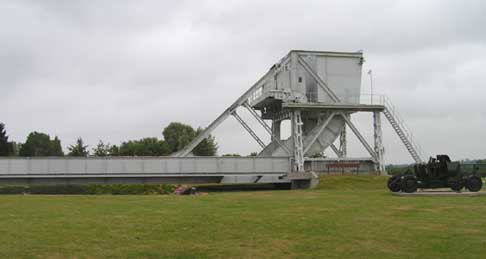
<point>115,189</point>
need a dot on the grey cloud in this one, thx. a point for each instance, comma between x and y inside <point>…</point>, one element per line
<point>123,69</point>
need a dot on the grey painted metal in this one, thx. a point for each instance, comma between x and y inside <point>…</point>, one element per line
<point>298,141</point>
<point>267,128</point>
<point>335,150</point>
<point>257,117</point>
<point>207,131</point>
<point>378,147</point>
<point>270,168</point>
<point>319,80</point>
<point>359,136</point>
<point>404,135</point>
<point>307,87</point>
<point>343,146</point>
<point>336,107</point>
<point>247,128</point>
<point>290,81</point>
<point>319,132</point>
<point>401,128</point>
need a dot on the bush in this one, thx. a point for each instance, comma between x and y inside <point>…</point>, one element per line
<point>57,189</point>
<point>131,189</point>
<point>115,189</point>
<point>14,190</point>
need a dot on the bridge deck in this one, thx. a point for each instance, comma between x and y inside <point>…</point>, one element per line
<point>143,170</point>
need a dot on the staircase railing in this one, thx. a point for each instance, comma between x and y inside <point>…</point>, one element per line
<point>403,127</point>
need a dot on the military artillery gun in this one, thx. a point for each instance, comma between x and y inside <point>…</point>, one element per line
<point>439,172</point>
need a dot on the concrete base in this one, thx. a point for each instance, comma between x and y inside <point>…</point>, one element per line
<point>307,180</point>
<point>440,193</point>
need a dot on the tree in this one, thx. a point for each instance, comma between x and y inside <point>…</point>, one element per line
<point>178,135</point>
<point>114,150</point>
<point>40,144</point>
<point>5,146</point>
<point>78,149</point>
<point>101,149</point>
<point>145,147</point>
<point>55,147</point>
<point>37,144</point>
<point>207,147</point>
<point>253,154</point>
<point>16,146</point>
<point>231,155</point>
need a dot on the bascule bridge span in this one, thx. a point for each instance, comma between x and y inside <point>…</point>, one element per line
<point>317,91</point>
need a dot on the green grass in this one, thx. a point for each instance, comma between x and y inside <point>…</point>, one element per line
<point>346,217</point>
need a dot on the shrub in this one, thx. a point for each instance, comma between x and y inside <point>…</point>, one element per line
<point>13,189</point>
<point>115,189</point>
<point>57,189</point>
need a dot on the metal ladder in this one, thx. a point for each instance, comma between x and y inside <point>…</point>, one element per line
<point>404,133</point>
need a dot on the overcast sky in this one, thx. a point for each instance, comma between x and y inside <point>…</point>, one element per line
<point>118,70</point>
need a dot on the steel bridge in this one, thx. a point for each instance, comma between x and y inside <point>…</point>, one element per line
<point>317,91</point>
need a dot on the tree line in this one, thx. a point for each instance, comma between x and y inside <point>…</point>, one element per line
<point>175,137</point>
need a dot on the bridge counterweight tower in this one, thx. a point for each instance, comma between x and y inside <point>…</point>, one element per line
<point>318,92</point>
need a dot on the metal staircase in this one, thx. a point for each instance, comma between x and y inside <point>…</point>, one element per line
<point>404,133</point>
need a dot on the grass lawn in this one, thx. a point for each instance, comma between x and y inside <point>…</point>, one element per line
<point>346,217</point>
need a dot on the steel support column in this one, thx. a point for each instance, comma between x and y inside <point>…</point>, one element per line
<point>379,150</point>
<point>298,141</point>
<point>359,136</point>
<point>276,128</point>
<point>343,150</point>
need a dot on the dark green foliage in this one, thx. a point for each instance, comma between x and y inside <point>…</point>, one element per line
<point>37,144</point>
<point>5,148</point>
<point>207,147</point>
<point>144,147</point>
<point>178,135</point>
<point>115,189</point>
<point>232,155</point>
<point>253,154</point>
<point>78,149</point>
<point>124,189</point>
<point>57,189</point>
<point>114,150</point>
<point>14,189</point>
<point>15,147</point>
<point>40,144</point>
<point>55,147</point>
<point>103,149</point>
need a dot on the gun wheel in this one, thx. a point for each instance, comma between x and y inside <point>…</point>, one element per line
<point>409,184</point>
<point>394,183</point>
<point>456,186</point>
<point>474,183</point>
